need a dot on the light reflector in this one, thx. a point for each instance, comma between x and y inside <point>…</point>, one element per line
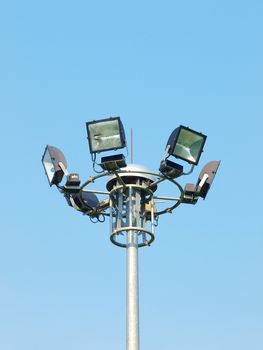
<point>51,160</point>
<point>186,144</point>
<point>206,178</point>
<point>105,135</point>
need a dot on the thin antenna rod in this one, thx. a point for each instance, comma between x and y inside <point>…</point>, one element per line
<point>131,146</point>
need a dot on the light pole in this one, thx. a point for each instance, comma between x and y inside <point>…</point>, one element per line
<point>131,202</point>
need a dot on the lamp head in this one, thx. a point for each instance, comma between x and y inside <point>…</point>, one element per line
<point>186,144</point>
<point>206,178</point>
<point>55,164</point>
<point>105,134</point>
<point>88,201</point>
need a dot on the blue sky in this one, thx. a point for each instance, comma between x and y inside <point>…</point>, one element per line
<point>157,65</point>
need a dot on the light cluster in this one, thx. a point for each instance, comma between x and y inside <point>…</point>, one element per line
<point>108,134</point>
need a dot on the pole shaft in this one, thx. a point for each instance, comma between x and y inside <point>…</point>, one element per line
<point>132,292</point>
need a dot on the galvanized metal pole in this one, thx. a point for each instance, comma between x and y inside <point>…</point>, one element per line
<point>133,342</point>
<point>128,223</point>
<point>133,216</point>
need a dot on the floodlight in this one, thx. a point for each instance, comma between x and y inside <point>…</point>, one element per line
<point>55,164</point>
<point>89,201</point>
<point>186,144</point>
<point>206,178</point>
<point>170,169</point>
<point>105,135</point>
<point>114,162</point>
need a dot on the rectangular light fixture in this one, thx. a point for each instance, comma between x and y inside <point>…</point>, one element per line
<point>105,134</point>
<point>54,164</point>
<point>186,144</point>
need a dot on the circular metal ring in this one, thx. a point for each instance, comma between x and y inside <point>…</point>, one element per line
<point>140,187</point>
<point>158,175</point>
<point>122,245</point>
<point>148,189</point>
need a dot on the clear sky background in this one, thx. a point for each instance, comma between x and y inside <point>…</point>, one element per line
<point>157,65</point>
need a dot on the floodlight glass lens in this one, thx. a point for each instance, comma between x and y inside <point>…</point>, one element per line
<point>188,145</point>
<point>105,135</point>
<point>49,167</point>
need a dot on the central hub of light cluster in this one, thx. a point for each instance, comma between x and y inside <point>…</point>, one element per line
<point>132,205</point>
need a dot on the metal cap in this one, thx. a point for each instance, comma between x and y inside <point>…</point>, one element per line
<point>130,174</point>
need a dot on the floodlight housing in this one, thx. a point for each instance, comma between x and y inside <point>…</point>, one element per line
<point>114,162</point>
<point>89,201</point>
<point>105,134</point>
<point>186,144</point>
<point>55,164</point>
<point>206,178</point>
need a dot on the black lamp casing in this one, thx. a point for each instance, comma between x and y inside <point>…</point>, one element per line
<point>171,169</point>
<point>175,137</point>
<point>189,194</point>
<point>111,163</point>
<point>73,180</point>
<point>88,201</point>
<point>72,183</point>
